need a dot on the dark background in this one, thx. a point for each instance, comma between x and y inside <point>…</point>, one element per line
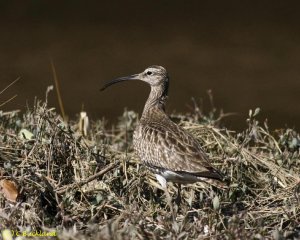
<point>247,52</point>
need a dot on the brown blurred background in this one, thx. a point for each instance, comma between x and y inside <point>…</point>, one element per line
<point>247,52</point>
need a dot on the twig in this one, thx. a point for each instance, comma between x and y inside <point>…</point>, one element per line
<point>7,101</point>
<point>9,85</point>
<point>91,178</point>
<point>61,105</point>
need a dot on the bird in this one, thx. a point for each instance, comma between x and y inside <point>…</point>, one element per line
<point>164,147</point>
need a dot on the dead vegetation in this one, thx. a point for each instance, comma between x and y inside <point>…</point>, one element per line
<point>93,187</point>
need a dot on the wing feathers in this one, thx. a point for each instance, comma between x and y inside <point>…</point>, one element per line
<point>168,146</point>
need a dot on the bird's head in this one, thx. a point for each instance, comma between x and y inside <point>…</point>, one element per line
<point>154,76</point>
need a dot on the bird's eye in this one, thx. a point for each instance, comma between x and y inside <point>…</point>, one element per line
<point>149,73</point>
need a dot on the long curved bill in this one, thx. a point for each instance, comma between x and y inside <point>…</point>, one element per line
<point>121,79</point>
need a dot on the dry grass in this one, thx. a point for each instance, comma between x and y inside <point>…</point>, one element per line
<point>95,188</point>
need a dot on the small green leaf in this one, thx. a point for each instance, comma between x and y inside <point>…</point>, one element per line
<point>24,134</point>
<point>257,110</point>
<point>216,203</point>
<point>250,113</point>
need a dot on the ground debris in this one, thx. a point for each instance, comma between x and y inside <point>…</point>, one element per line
<point>93,186</point>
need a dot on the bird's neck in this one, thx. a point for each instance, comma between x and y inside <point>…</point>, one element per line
<point>157,98</point>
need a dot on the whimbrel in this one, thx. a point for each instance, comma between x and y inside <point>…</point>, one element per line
<point>165,148</point>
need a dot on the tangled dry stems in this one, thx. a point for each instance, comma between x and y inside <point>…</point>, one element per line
<point>94,187</point>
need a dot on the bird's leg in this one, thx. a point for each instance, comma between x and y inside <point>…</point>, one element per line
<point>163,183</point>
<point>178,198</point>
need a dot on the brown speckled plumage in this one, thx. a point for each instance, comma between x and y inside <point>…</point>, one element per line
<point>168,150</point>
<point>163,145</point>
